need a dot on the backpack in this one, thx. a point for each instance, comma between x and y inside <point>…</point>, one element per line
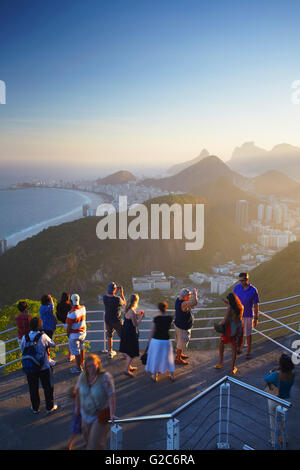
<point>32,356</point>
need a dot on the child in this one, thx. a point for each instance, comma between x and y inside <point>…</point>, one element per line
<point>76,419</point>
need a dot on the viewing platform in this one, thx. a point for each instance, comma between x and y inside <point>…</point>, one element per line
<point>140,396</point>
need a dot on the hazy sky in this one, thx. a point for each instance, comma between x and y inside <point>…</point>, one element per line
<point>123,82</point>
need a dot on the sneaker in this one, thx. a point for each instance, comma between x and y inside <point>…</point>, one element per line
<point>75,370</point>
<point>51,362</point>
<point>48,412</point>
<point>112,354</point>
<point>34,411</point>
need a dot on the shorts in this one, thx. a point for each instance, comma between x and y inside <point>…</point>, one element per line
<point>247,326</point>
<point>76,345</point>
<point>112,327</point>
<point>182,337</point>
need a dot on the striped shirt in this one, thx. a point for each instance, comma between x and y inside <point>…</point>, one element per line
<point>76,319</point>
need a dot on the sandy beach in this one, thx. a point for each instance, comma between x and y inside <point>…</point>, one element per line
<point>92,199</point>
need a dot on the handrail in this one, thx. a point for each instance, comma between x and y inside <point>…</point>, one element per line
<point>276,342</point>
<point>186,405</point>
<point>142,418</point>
<point>278,400</point>
<point>280,323</point>
<point>197,397</point>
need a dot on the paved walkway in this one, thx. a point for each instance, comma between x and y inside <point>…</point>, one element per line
<point>20,429</point>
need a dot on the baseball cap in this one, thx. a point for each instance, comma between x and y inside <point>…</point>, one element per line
<point>111,287</point>
<point>185,292</point>
<point>75,299</point>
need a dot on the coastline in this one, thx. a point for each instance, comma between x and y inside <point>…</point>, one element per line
<point>92,199</point>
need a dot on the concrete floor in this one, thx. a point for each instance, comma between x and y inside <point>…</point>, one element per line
<point>20,429</point>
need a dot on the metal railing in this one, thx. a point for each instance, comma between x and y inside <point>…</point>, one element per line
<point>219,432</point>
<point>262,333</point>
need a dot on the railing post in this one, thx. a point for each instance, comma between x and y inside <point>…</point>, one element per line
<point>280,428</point>
<point>116,437</point>
<point>223,389</point>
<point>104,337</point>
<point>173,441</point>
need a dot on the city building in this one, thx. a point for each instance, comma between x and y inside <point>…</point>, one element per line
<point>241,214</point>
<point>156,280</point>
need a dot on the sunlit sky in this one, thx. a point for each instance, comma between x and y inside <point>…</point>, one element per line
<point>126,83</point>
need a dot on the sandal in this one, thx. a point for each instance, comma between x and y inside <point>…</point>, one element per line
<point>234,370</point>
<point>129,374</point>
<point>219,366</point>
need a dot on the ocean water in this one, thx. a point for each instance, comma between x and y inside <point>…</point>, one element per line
<point>25,209</point>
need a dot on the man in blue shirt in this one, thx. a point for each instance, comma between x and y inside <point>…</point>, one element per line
<point>248,295</point>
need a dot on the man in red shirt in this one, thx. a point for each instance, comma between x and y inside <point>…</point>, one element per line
<point>23,320</point>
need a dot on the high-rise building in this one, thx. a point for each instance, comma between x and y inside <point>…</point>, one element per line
<point>268,214</point>
<point>277,214</point>
<point>241,214</point>
<point>260,211</point>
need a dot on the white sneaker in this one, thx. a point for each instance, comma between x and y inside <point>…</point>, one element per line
<point>112,354</point>
<point>48,412</point>
<point>51,362</point>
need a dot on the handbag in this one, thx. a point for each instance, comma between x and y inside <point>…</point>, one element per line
<point>104,416</point>
<point>144,356</point>
<point>219,328</point>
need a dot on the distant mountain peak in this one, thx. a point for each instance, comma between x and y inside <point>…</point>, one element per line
<point>250,160</point>
<point>181,166</point>
<point>118,177</point>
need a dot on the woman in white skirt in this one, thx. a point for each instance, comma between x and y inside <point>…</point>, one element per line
<point>160,358</point>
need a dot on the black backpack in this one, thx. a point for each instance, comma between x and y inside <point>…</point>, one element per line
<point>32,356</point>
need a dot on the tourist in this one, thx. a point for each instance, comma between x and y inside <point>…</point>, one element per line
<point>112,318</point>
<point>233,330</point>
<point>129,343</point>
<point>280,381</point>
<point>47,315</point>
<point>184,320</point>
<point>22,320</point>
<point>44,374</point>
<point>62,310</point>
<point>76,331</point>
<point>76,428</point>
<point>160,358</point>
<point>48,318</point>
<point>248,295</point>
<point>96,402</point>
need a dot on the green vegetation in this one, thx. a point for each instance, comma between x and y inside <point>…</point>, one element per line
<point>71,258</point>
<point>7,321</point>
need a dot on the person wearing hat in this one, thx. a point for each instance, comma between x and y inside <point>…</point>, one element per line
<point>184,320</point>
<point>112,316</point>
<point>76,331</point>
